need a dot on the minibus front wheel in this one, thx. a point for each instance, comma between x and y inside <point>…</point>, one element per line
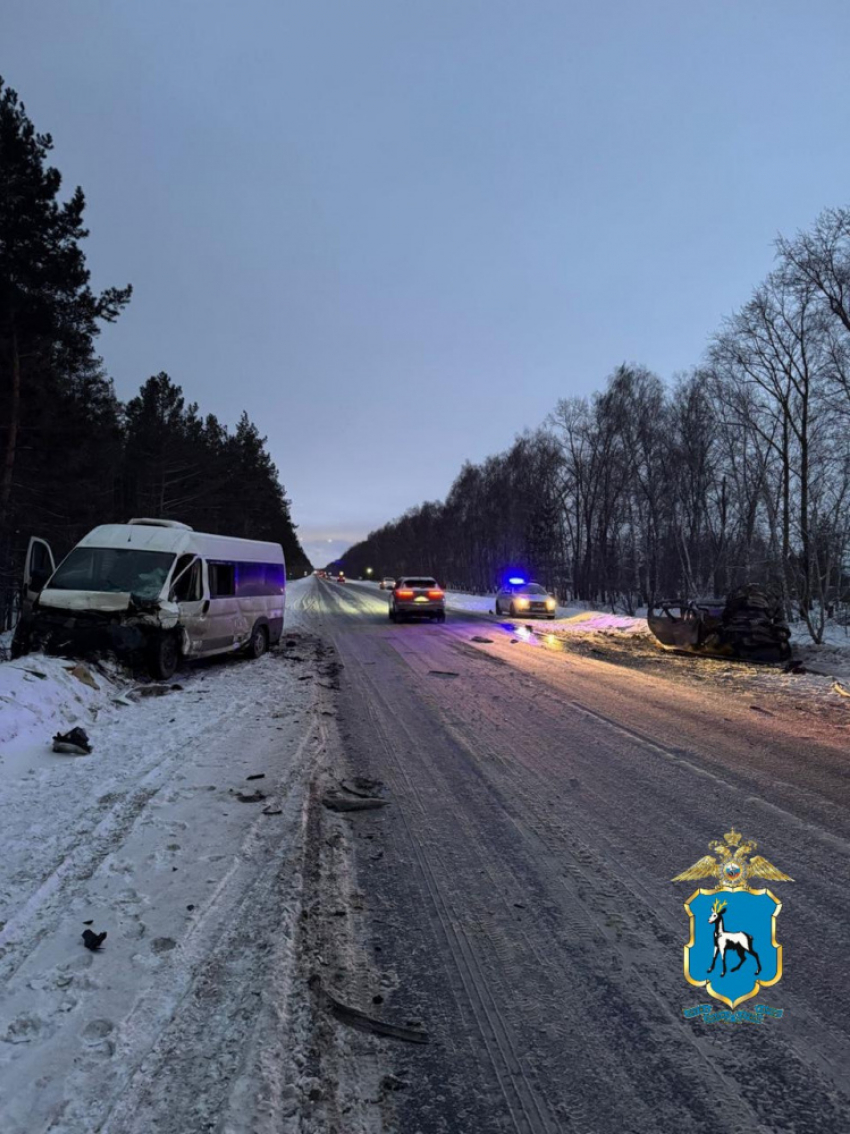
<point>164,655</point>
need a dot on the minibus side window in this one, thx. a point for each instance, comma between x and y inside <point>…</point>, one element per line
<point>187,586</point>
<point>259,579</point>
<point>222,580</point>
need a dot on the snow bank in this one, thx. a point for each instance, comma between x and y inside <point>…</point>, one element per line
<point>154,838</point>
<point>595,621</point>
<point>572,619</point>
<point>40,696</point>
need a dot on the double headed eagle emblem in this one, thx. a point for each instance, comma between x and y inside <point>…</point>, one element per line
<point>729,866</point>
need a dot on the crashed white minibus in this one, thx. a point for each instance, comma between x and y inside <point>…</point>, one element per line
<point>153,589</point>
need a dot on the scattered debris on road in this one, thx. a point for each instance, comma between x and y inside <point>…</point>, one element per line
<point>158,690</point>
<point>92,940</point>
<point>73,743</point>
<point>486,641</point>
<point>442,673</point>
<point>354,1018</point>
<point>362,786</point>
<point>839,688</point>
<point>759,709</point>
<point>84,674</point>
<point>364,803</point>
<point>254,797</point>
<point>393,1083</point>
<point>272,811</point>
<point>256,776</point>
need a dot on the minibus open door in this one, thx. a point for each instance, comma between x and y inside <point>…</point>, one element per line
<point>39,565</point>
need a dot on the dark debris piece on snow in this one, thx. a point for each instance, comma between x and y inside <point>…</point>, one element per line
<point>93,941</point>
<point>340,803</point>
<point>75,742</point>
<point>362,787</point>
<point>359,1020</point>
<point>254,797</point>
<point>256,776</point>
<point>363,1023</point>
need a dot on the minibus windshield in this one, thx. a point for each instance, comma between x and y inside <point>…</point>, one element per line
<point>140,573</point>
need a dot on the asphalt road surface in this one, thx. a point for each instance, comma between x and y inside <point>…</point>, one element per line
<point>517,893</point>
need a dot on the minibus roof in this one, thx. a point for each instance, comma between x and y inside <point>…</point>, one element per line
<point>182,541</point>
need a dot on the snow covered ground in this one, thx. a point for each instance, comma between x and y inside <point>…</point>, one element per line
<point>190,1016</point>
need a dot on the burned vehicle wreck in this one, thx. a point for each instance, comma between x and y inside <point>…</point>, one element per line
<point>152,592</point>
<point>749,624</point>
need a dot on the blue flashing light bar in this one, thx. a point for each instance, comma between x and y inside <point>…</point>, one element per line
<point>516,581</point>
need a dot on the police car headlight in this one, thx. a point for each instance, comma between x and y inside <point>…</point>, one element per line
<point>522,604</point>
<point>550,604</point>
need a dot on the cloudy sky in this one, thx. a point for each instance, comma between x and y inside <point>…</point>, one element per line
<point>397,231</point>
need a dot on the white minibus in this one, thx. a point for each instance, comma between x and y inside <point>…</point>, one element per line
<point>153,590</point>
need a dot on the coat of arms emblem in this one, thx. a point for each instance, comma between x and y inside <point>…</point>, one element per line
<point>732,951</point>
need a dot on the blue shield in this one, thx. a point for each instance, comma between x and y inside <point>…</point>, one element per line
<point>745,932</point>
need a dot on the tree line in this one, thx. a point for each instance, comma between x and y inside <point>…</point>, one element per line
<point>737,471</point>
<point>73,456</point>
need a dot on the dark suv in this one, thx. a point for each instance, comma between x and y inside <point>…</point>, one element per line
<point>417,596</point>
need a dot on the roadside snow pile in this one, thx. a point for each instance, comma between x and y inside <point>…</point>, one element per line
<point>573,619</point>
<point>458,600</point>
<point>832,659</point>
<point>594,621</point>
<point>41,695</point>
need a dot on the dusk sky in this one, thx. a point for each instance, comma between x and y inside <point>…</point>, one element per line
<point>397,233</point>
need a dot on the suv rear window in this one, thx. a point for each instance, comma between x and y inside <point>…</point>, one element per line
<point>426,584</point>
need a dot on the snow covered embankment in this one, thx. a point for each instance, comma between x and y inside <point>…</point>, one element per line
<point>158,838</point>
<point>40,696</point>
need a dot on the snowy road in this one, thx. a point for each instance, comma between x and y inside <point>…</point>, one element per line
<point>517,897</point>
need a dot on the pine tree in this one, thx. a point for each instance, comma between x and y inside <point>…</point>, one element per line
<point>49,317</point>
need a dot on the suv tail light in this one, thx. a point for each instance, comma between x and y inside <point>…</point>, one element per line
<point>435,594</point>
<point>403,594</point>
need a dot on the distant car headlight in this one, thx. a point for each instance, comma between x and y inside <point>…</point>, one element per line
<point>550,604</point>
<point>522,604</point>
